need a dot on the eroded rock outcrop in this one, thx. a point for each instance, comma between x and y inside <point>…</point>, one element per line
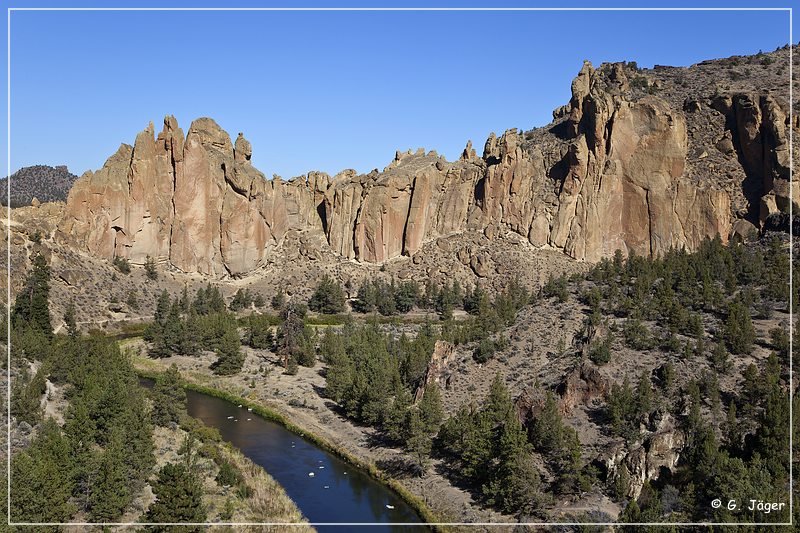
<point>440,368</point>
<point>624,186</point>
<point>759,126</point>
<point>195,201</point>
<point>580,386</point>
<point>416,199</point>
<point>645,462</point>
<point>614,171</point>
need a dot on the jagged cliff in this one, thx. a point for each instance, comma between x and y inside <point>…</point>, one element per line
<point>625,165</point>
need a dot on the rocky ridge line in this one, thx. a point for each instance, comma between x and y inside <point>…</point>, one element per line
<point>613,171</point>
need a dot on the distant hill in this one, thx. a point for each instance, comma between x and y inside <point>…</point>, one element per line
<point>43,182</point>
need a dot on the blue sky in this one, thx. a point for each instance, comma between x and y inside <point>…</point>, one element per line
<point>330,90</point>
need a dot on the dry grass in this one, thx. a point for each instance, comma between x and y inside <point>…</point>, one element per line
<point>268,502</point>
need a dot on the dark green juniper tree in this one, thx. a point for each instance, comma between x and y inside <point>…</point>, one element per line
<point>169,398</point>
<point>328,297</point>
<point>179,496</point>
<point>31,307</point>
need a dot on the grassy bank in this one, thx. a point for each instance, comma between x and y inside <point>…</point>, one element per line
<point>413,501</point>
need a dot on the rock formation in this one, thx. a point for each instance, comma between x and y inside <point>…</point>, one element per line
<point>440,368</point>
<point>619,168</point>
<point>194,201</point>
<point>645,462</point>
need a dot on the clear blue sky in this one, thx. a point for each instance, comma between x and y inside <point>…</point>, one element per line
<point>330,90</point>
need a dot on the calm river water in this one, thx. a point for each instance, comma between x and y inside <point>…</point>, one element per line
<point>336,492</point>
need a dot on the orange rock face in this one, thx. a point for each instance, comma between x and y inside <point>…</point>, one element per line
<point>609,174</point>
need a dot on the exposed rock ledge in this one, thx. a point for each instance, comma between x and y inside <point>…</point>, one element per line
<point>610,173</point>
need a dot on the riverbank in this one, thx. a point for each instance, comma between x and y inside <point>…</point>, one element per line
<point>273,416</point>
<point>292,402</point>
<point>263,499</point>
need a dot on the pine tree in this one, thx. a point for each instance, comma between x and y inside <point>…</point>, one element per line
<point>278,301</point>
<point>150,269</point>
<point>132,300</point>
<point>259,332</point>
<point>307,349</point>
<point>69,320</point>
<point>366,298</point>
<point>739,332</point>
<point>416,355</point>
<point>475,301</point>
<point>405,296</point>
<point>110,492</point>
<point>191,334</point>
<point>498,403</point>
<point>522,485</point>
<point>622,408</point>
<point>41,480</point>
<point>394,423</point>
<point>667,376</point>
<point>385,298</point>
<point>79,430</point>
<point>230,358</point>
<point>173,329</point>
<point>453,433</point>
<point>169,398</point>
<point>138,440</point>
<point>290,332</point>
<point>241,300</point>
<point>478,450</point>
<point>546,432</point>
<point>514,487</point>
<point>622,482</point>
<point>430,408</point>
<point>428,299</point>
<point>200,302</point>
<point>258,301</point>
<point>733,435</point>
<point>31,307</point>
<point>26,396</point>
<point>341,370</point>
<point>419,441</point>
<point>644,396</point>
<point>216,303</point>
<point>184,304</point>
<point>122,265</point>
<point>291,366</point>
<point>179,495</point>
<point>328,298</point>
<point>772,440</point>
<point>567,463</point>
<point>719,358</point>
<point>163,306</point>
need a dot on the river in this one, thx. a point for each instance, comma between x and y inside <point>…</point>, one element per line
<point>325,488</point>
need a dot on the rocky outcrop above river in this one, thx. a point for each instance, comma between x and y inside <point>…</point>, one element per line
<point>624,165</point>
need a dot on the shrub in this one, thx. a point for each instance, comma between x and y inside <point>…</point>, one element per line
<point>600,352</point>
<point>484,351</point>
<point>121,264</point>
<point>150,269</point>
<point>228,475</point>
<point>328,297</point>
<point>291,366</point>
